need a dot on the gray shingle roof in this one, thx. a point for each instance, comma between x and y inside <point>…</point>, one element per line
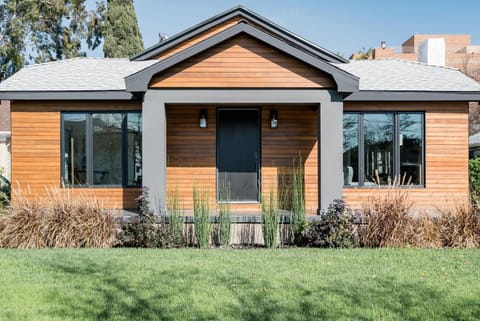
<point>101,74</point>
<point>403,75</point>
<point>77,74</point>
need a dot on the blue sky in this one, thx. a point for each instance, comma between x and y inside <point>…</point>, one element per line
<point>341,26</point>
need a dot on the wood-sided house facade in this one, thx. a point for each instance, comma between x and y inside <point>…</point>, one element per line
<point>230,104</point>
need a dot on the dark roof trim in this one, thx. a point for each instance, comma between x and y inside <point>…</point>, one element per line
<point>138,82</point>
<point>378,95</point>
<point>247,14</point>
<point>67,95</point>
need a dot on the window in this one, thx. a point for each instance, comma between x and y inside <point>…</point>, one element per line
<point>102,148</point>
<point>383,148</point>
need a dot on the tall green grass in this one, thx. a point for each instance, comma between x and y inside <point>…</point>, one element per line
<point>201,212</point>
<point>270,220</point>
<point>175,217</point>
<point>224,217</point>
<point>298,221</point>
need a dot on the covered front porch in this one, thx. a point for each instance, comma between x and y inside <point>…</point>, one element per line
<point>238,149</point>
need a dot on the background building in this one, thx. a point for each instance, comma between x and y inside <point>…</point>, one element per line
<point>458,52</point>
<point>5,138</point>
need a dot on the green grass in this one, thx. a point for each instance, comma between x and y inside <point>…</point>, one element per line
<point>188,284</point>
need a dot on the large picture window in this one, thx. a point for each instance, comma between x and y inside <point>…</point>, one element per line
<point>102,148</point>
<point>383,148</point>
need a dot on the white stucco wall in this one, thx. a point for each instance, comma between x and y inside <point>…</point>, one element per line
<point>5,155</point>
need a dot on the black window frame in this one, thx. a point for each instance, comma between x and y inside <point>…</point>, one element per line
<point>396,147</point>
<point>89,149</point>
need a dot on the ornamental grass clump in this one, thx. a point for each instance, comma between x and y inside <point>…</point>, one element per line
<point>460,225</point>
<point>175,218</point>
<point>201,213</point>
<point>270,221</point>
<point>298,221</point>
<point>388,223</point>
<point>61,219</point>
<point>224,218</point>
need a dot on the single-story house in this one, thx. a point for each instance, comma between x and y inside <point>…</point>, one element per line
<point>230,103</point>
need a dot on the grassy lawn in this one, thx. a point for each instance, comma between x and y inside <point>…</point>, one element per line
<point>188,284</point>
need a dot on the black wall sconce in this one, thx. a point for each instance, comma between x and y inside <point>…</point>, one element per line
<point>203,118</point>
<point>273,118</point>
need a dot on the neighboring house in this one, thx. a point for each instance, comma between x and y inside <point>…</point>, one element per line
<point>5,138</point>
<point>230,103</point>
<point>474,145</point>
<point>457,51</point>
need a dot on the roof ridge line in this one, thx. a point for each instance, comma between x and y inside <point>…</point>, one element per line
<point>411,62</point>
<point>67,60</point>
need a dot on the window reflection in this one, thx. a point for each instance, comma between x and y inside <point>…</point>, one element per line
<point>102,148</point>
<point>134,154</point>
<point>74,160</point>
<point>410,141</point>
<point>107,149</point>
<point>383,148</point>
<point>378,131</point>
<point>350,149</point>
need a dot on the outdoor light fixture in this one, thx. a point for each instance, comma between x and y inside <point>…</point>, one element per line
<point>273,119</point>
<point>203,118</point>
<point>382,44</point>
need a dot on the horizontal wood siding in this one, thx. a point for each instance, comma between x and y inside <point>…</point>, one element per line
<point>191,152</point>
<point>194,40</point>
<point>446,154</point>
<point>36,149</point>
<point>242,62</point>
<point>294,139</point>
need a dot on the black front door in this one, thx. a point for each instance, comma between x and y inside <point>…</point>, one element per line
<point>238,154</point>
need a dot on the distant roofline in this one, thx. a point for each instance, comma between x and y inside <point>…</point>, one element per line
<point>244,13</point>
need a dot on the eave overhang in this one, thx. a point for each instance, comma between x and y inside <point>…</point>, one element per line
<point>69,95</point>
<point>379,95</point>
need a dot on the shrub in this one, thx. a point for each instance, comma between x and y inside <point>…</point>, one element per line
<point>460,225</point>
<point>388,220</point>
<point>145,231</point>
<point>270,221</point>
<point>201,213</point>
<point>334,228</point>
<point>146,235</point>
<point>474,177</point>
<point>68,221</point>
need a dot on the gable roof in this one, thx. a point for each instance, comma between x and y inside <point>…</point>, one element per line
<point>240,11</point>
<point>138,82</point>
<point>101,78</point>
<point>391,79</point>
